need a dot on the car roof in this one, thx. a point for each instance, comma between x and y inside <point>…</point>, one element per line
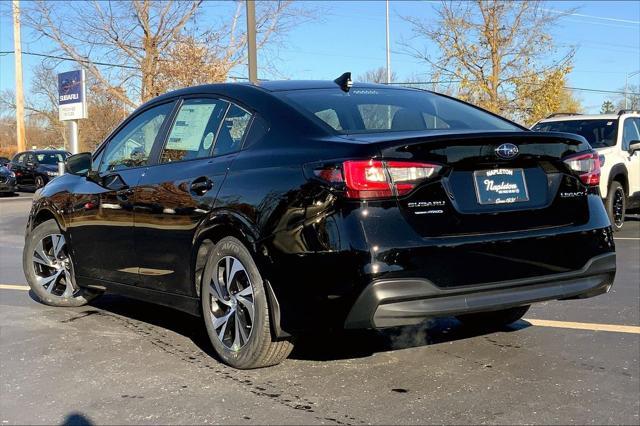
<point>266,86</point>
<point>586,117</point>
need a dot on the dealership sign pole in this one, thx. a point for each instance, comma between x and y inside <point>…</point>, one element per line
<point>72,102</point>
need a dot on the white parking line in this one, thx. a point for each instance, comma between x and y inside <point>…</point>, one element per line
<point>626,238</point>
<point>14,287</point>
<point>585,326</point>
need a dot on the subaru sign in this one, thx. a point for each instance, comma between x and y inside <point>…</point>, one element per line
<point>71,96</point>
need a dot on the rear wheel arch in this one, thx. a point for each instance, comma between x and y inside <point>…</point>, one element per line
<point>619,173</point>
<point>225,225</point>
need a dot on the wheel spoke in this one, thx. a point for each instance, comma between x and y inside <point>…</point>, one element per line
<point>40,256</point>
<point>227,268</point>
<point>222,322</point>
<point>247,304</point>
<point>235,268</point>
<point>58,243</point>
<point>240,325</point>
<point>247,291</point>
<point>50,281</point>
<point>237,340</point>
<point>217,293</point>
<point>69,290</point>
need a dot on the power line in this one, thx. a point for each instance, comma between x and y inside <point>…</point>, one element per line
<point>85,61</point>
<point>63,58</point>
<point>583,89</point>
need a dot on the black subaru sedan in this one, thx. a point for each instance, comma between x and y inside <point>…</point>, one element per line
<point>276,208</point>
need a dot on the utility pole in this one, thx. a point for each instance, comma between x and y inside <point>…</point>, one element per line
<point>17,55</point>
<point>626,87</point>
<point>251,41</point>
<point>388,53</point>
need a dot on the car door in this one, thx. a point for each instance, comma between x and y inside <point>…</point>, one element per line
<point>631,134</point>
<point>177,193</point>
<point>17,166</point>
<point>30,169</point>
<point>101,222</point>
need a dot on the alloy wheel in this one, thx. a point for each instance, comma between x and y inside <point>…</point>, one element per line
<point>52,266</point>
<point>618,207</point>
<point>231,303</point>
<point>39,182</point>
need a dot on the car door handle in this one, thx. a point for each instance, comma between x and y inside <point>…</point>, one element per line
<point>201,185</point>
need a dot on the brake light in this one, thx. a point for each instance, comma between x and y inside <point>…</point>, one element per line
<point>378,179</point>
<point>587,166</point>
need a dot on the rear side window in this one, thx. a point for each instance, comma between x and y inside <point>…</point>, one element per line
<point>391,110</point>
<point>232,131</point>
<point>194,130</point>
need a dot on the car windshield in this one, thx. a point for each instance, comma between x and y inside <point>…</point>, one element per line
<point>599,133</point>
<point>50,157</point>
<point>373,110</point>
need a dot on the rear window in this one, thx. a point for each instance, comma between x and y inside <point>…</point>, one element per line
<point>599,133</point>
<point>391,110</point>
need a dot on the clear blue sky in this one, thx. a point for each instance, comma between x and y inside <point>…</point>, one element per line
<point>350,36</point>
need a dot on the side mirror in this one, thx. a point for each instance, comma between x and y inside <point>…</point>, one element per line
<point>80,165</point>
<point>634,146</point>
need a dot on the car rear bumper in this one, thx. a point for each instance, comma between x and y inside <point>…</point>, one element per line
<point>406,301</point>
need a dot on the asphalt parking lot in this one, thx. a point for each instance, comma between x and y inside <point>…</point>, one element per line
<point>122,361</point>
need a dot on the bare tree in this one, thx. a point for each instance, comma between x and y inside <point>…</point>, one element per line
<point>377,75</point>
<point>155,45</point>
<point>491,47</point>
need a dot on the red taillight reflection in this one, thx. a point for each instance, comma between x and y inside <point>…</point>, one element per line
<point>588,167</point>
<point>378,179</point>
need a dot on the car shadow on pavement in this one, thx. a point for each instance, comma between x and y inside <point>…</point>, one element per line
<point>76,419</point>
<point>311,346</point>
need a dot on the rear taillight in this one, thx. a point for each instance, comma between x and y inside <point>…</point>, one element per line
<point>587,166</point>
<point>378,179</point>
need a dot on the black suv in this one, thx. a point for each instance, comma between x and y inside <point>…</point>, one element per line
<point>277,208</point>
<point>35,168</point>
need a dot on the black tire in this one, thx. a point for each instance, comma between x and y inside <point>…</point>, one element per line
<point>259,349</point>
<point>39,182</point>
<point>494,319</point>
<point>616,204</point>
<point>33,271</point>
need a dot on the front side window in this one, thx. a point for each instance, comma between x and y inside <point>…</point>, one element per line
<point>630,132</point>
<point>131,146</point>
<point>599,133</point>
<point>19,158</point>
<point>232,131</point>
<point>391,110</point>
<point>194,130</point>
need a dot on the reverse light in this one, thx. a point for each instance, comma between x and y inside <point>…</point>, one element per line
<point>587,166</point>
<point>378,179</point>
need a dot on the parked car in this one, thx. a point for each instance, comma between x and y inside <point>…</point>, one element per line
<point>4,161</point>
<point>35,168</point>
<point>7,181</point>
<point>616,139</point>
<point>277,208</point>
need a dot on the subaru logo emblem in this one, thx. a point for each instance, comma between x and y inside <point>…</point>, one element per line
<point>507,151</point>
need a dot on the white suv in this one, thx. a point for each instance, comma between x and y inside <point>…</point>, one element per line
<point>616,137</point>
